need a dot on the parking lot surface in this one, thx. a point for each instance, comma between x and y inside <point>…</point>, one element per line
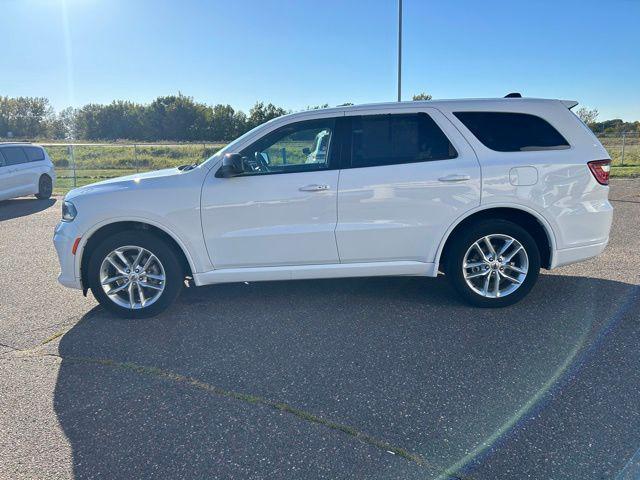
<point>354,378</point>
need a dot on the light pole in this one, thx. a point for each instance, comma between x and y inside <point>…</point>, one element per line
<point>399,50</point>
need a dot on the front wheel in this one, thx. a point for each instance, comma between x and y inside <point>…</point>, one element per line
<point>135,274</point>
<point>493,264</point>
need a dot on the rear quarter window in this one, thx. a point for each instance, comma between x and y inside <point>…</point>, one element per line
<point>34,154</point>
<point>512,132</point>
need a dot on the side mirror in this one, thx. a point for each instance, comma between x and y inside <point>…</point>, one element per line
<point>306,151</point>
<point>232,165</point>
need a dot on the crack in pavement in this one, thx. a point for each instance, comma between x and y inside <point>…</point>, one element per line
<point>254,400</point>
<point>11,349</point>
<point>68,321</point>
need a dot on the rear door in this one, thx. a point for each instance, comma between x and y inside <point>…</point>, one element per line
<point>37,165</point>
<point>408,177</point>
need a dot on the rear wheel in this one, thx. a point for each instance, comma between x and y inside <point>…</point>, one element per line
<point>45,187</point>
<point>493,264</point>
<point>135,274</point>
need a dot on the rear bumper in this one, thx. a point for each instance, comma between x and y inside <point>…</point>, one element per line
<point>568,256</point>
<point>63,238</point>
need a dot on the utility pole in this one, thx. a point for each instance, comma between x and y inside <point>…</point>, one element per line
<point>399,50</point>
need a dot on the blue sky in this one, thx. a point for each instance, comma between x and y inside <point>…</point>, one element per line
<point>299,53</point>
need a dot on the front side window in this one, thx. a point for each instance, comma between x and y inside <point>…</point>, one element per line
<point>14,155</point>
<point>299,147</point>
<point>34,154</point>
<point>512,132</point>
<point>397,138</point>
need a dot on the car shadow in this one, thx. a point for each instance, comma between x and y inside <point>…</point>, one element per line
<point>400,359</point>
<point>20,207</point>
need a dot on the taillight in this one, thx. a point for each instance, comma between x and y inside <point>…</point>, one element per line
<point>600,170</point>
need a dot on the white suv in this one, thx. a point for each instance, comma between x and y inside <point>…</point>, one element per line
<point>486,191</point>
<point>25,169</point>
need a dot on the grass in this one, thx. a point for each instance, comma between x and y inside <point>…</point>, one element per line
<point>631,150</point>
<point>99,162</point>
<point>632,171</point>
<point>145,157</point>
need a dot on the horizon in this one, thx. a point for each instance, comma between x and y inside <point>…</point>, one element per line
<point>294,55</point>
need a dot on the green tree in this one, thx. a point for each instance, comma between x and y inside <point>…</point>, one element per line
<point>317,107</point>
<point>223,124</point>
<point>588,116</point>
<point>261,113</point>
<point>25,117</point>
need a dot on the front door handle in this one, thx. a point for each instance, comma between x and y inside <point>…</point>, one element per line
<point>314,188</point>
<point>455,178</point>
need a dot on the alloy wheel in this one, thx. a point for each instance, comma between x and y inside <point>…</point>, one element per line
<point>132,277</point>
<point>495,266</point>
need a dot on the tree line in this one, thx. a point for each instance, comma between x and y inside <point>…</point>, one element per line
<point>168,118</point>
<point>172,117</point>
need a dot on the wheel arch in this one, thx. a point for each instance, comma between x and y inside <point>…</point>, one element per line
<point>529,219</point>
<point>102,231</point>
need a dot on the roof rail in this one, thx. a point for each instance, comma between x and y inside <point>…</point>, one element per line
<point>513,95</point>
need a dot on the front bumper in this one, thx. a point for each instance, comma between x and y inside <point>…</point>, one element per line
<point>63,238</point>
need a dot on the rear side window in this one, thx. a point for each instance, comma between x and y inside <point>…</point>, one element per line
<point>512,132</point>
<point>34,154</point>
<point>14,155</point>
<point>401,138</point>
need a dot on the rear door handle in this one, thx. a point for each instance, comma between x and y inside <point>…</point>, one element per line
<point>314,188</point>
<point>455,178</point>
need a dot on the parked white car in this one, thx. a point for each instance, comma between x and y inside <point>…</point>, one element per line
<point>485,191</point>
<point>25,169</point>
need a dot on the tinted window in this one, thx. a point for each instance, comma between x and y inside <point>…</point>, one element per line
<point>14,155</point>
<point>401,138</point>
<point>34,154</point>
<point>2,162</point>
<point>299,147</point>
<point>512,132</point>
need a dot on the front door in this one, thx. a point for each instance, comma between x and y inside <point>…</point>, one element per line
<point>282,210</point>
<point>410,176</point>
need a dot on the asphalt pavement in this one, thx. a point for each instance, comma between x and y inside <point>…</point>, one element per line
<point>381,378</point>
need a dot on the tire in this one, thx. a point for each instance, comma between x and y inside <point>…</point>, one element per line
<point>45,187</point>
<point>499,232</point>
<point>128,283</point>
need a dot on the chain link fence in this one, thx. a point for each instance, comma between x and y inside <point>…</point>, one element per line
<point>78,164</point>
<point>624,148</point>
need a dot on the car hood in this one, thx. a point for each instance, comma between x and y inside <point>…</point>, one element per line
<point>137,180</point>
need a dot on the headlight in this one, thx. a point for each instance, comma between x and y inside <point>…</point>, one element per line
<point>69,211</point>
